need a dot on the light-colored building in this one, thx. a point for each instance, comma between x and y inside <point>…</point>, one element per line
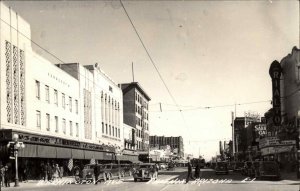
<point>64,113</point>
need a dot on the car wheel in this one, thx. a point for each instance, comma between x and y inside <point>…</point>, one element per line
<point>135,180</point>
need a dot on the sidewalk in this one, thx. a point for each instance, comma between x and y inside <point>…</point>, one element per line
<point>39,183</point>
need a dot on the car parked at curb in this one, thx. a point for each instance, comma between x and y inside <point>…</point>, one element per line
<point>144,171</point>
<point>221,168</point>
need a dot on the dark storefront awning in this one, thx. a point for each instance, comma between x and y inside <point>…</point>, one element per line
<point>46,151</point>
<point>63,153</point>
<point>29,151</point>
<point>89,154</point>
<point>77,154</point>
<point>98,155</point>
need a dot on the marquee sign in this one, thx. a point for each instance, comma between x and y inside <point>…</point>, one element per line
<point>275,73</point>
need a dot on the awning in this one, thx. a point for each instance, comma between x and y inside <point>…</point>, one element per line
<point>63,153</point>
<point>89,154</point>
<point>98,155</point>
<point>28,151</point>
<point>108,156</point>
<point>46,151</point>
<point>77,154</point>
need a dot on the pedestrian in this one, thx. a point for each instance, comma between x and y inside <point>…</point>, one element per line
<point>197,171</point>
<point>7,176</point>
<point>156,171</point>
<point>2,169</point>
<point>96,173</point>
<point>189,174</point>
<point>56,171</point>
<point>49,172</point>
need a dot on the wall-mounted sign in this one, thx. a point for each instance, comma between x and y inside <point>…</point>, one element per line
<point>275,73</point>
<point>261,129</point>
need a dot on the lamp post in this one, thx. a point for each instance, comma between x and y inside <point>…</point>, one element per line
<point>119,153</point>
<point>16,145</point>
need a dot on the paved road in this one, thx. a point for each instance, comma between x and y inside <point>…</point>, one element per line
<point>173,180</point>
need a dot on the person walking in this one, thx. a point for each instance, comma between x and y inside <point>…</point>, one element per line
<point>96,173</point>
<point>49,172</point>
<point>2,169</point>
<point>156,167</point>
<point>197,171</point>
<point>189,174</point>
<point>56,171</point>
<point>6,176</point>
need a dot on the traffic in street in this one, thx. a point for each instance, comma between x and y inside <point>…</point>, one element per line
<point>167,180</point>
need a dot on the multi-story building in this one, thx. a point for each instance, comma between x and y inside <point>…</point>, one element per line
<point>175,143</point>
<point>283,119</point>
<point>64,113</point>
<point>136,115</point>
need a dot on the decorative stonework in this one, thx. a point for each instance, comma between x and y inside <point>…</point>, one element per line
<point>22,88</point>
<point>8,81</point>
<point>16,85</point>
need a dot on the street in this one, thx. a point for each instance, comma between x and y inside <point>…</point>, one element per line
<point>173,180</point>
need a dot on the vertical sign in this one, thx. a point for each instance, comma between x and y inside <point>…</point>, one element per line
<point>275,73</point>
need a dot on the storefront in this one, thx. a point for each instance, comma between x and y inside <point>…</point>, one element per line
<point>40,149</point>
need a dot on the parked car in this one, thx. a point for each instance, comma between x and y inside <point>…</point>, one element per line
<point>247,169</point>
<point>221,168</point>
<point>238,166</point>
<point>106,172</point>
<point>268,169</point>
<point>144,171</point>
<point>162,166</point>
<point>87,173</point>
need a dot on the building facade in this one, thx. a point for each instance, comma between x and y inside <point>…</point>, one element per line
<point>282,141</point>
<point>175,143</point>
<point>67,114</point>
<point>136,115</point>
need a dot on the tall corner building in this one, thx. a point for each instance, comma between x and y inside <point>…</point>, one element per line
<point>136,115</point>
<point>65,114</point>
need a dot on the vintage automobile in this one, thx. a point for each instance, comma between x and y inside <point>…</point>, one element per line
<point>238,166</point>
<point>221,168</point>
<point>268,169</point>
<point>87,174</point>
<point>247,169</point>
<point>106,172</point>
<point>144,171</point>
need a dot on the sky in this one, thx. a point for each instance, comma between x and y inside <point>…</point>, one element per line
<point>209,53</point>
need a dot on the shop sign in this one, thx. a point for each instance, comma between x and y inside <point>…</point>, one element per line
<point>36,139</point>
<point>268,141</point>
<point>261,129</point>
<point>275,73</point>
<point>251,117</point>
<point>288,142</point>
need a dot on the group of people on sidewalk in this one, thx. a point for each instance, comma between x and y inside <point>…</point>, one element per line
<point>51,172</point>
<point>5,174</point>
<point>190,172</point>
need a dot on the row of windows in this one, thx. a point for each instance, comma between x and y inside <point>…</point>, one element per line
<point>140,100</point>
<point>110,130</point>
<point>55,98</point>
<point>56,124</point>
<point>141,123</point>
<point>139,110</point>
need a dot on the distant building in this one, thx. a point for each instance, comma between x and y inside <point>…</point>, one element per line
<point>176,144</point>
<point>136,115</point>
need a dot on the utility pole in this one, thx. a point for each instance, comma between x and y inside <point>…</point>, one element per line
<point>233,139</point>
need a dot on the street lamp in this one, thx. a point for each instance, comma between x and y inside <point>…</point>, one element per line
<point>16,145</point>
<point>119,153</point>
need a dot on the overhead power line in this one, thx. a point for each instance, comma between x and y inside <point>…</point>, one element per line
<point>212,107</point>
